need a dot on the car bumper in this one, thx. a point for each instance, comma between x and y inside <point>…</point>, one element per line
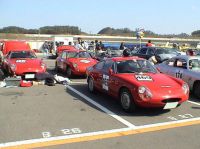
<point>161,101</point>
<point>30,71</point>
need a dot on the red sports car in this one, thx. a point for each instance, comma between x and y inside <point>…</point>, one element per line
<point>74,62</point>
<point>64,48</point>
<point>23,63</point>
<point>136,82</point>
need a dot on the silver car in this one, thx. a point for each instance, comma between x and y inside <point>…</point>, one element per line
<point>186,68</point>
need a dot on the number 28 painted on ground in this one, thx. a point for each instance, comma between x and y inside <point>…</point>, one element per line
<point>63,131</point>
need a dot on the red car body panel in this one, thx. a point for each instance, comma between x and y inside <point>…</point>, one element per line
<point>14,46</point>
<point>28,66</point>
<point>82,64</point>
<point>162,87</point>
<point>65,47</point>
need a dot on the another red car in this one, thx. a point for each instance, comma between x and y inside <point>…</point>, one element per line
<point>23,63</point>
<point>74,62</point>
<point>8,46</point>
<point>136,82</point>
<point>64,48</point>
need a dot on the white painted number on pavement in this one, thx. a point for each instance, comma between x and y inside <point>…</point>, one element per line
<point>63,131</point>
<point>178,117</point>
<point>46,134</point>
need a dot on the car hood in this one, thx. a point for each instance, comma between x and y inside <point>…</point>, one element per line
<point>83,61</point>
<point>23,63</point>
<point>153,81</point>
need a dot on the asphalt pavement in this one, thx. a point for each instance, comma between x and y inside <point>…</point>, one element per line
<point>62,117</point>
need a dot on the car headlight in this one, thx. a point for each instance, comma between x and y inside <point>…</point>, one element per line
<point>185,88</point>
<point>144,93</point>
<point>13,67</point>
<point>141,90</point>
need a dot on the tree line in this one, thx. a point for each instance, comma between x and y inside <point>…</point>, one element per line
<point>74,30</point>
<point>128,32</point>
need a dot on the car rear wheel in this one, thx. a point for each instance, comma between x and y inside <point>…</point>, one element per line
<point>197,89</point>
<point>91,85</point>
<point>126,101</point>
<point>69,72</point>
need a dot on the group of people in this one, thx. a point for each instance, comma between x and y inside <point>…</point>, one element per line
<point>47,47</point>
<point>96,45</point>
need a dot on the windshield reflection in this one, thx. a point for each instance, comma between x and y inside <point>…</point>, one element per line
<point>135,66</point>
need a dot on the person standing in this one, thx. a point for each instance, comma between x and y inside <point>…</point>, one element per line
<point>46,48</point>
<point>149,44</point>
<point>97,47</point>
<point>101,45</point>
<point>122,47</point>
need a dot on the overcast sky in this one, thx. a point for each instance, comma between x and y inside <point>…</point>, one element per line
<point>159,16</point>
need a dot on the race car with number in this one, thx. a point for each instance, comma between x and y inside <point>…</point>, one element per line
<point>74,62</point>
<point>23,63</point>
<point>136,82</point>
<point>186,68</point>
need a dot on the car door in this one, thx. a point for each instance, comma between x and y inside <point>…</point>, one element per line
<point>167,67</point>
<point>98,75</point>
<point>61,60</point>
<point>106,76</point>
<point>179,69</point>
<point>114,82</point>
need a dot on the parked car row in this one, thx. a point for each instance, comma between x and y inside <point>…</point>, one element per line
<point>134,80</point>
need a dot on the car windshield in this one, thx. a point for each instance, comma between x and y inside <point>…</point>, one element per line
<point>135,66</point>
<point>78,55</point>
<point>194,64</point>
<point>22,54</point>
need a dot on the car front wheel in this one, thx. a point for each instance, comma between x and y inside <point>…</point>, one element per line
<point>91,85</point>
<point>69,72</point>
<point>126,101</point>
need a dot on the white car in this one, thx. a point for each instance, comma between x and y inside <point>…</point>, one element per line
<point>184,67</point>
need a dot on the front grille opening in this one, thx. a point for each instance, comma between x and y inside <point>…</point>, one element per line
<point>171,100</point>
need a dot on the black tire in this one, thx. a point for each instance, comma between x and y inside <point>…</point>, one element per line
<point>56,67</point>
<point>127,101</point>
<point>91,85</point>
<point>196,89</point>
<point>69,72</point>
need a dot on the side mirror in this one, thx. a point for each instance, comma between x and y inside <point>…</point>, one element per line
<point>110,71</point>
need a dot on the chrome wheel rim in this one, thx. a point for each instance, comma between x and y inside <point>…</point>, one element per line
<point>125,100</point>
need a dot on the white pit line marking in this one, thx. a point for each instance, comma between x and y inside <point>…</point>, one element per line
<point>120,119</point>
<point>76,82</point>
<point>41,140</point>
<point>192,102</point>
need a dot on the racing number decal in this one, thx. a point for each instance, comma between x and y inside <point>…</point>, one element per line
<point>105,82</point>
<point>143,78</point>
<point>179,74</point>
